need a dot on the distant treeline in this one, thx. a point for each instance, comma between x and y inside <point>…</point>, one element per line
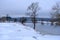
<point>7,18</point>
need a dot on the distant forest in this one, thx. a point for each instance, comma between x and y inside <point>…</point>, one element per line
<point>28,19</point>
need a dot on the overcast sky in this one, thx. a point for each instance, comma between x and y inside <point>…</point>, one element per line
<point>18,8</point>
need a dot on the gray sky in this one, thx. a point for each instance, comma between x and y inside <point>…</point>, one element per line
<point>18,8</point>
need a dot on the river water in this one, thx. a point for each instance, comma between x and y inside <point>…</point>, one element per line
<point>45,28</point>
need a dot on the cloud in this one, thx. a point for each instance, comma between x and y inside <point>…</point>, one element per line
<point>20,6</point>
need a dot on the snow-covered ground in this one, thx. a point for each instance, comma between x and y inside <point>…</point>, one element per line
<point>16,31</point>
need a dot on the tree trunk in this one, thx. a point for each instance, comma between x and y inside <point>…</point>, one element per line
<point>34,25</point>
<point>34,21</point>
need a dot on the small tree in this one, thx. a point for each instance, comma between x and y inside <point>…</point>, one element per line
<point>32,12</point>
<point>23,20</point>
<point>8,18</point>
<point>15,20</point>
<point>3,19</point>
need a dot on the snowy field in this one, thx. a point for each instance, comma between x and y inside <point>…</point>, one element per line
<point>16,31</point>
<point>46,29</point>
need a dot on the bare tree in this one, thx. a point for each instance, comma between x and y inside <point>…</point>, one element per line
<point>32,12</point>
<point>23,20</point>
<point>56,12</point>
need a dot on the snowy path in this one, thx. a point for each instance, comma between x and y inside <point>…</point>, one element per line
<point>16,31</point>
